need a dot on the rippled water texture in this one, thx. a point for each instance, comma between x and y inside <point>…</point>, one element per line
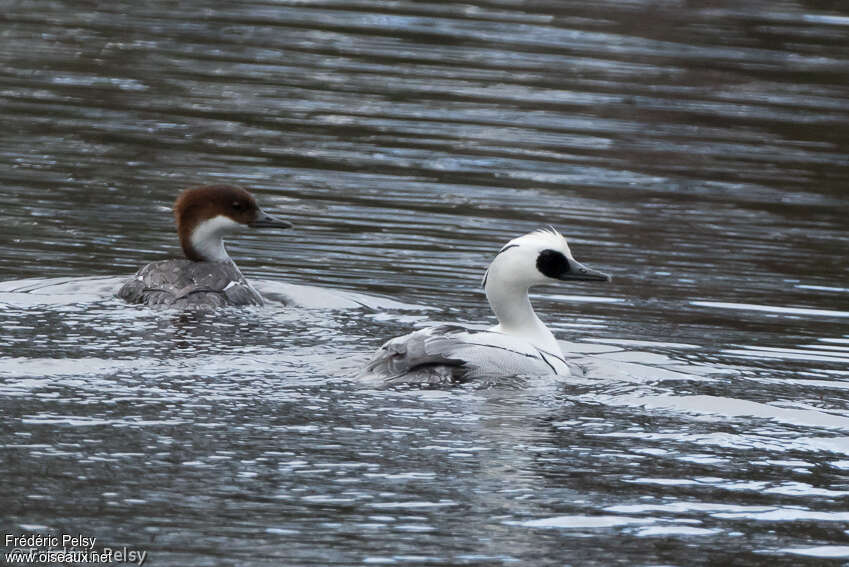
<point>697,151</point>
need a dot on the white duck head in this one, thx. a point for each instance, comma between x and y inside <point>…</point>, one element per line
<point>540,257</point>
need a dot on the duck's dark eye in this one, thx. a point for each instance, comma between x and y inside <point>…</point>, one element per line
<point>237,205</point>
<point>552,263</point>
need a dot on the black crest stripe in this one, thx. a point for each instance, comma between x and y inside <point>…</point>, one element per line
<point>508,247</point>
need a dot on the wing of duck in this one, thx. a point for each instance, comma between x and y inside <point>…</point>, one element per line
<point>453,353</point>
<point>186,283</point>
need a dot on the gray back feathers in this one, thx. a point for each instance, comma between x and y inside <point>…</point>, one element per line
<point>184,283</point>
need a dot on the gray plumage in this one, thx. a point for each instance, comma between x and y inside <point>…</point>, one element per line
<point>184,283</point>
<point>207,278</point>
<point>445,354</point>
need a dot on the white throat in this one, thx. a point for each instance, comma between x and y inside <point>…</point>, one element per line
<point>207,238</point>
<point>512,308</point>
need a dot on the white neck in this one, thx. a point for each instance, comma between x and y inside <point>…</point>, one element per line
<point>207,238</point>
<point>516,316</point>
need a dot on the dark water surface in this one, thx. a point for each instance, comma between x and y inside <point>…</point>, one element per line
<point>698,151</point>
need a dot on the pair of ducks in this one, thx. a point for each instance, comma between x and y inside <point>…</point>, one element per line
<point>519,345</point>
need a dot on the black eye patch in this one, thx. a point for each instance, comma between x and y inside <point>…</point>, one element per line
<point>552,263</point>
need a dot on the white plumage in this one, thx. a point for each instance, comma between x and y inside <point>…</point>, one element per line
<point>519,345</point>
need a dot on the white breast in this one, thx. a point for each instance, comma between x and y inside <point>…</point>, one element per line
<point>207,237</point>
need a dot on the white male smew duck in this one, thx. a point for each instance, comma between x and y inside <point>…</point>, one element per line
<point>206,277</point>
<point>519,345</point>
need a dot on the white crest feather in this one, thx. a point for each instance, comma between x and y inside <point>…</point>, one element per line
<point>547,237</point>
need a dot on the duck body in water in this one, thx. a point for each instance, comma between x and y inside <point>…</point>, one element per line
<point>520,344</point>
<point>207,277</point>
